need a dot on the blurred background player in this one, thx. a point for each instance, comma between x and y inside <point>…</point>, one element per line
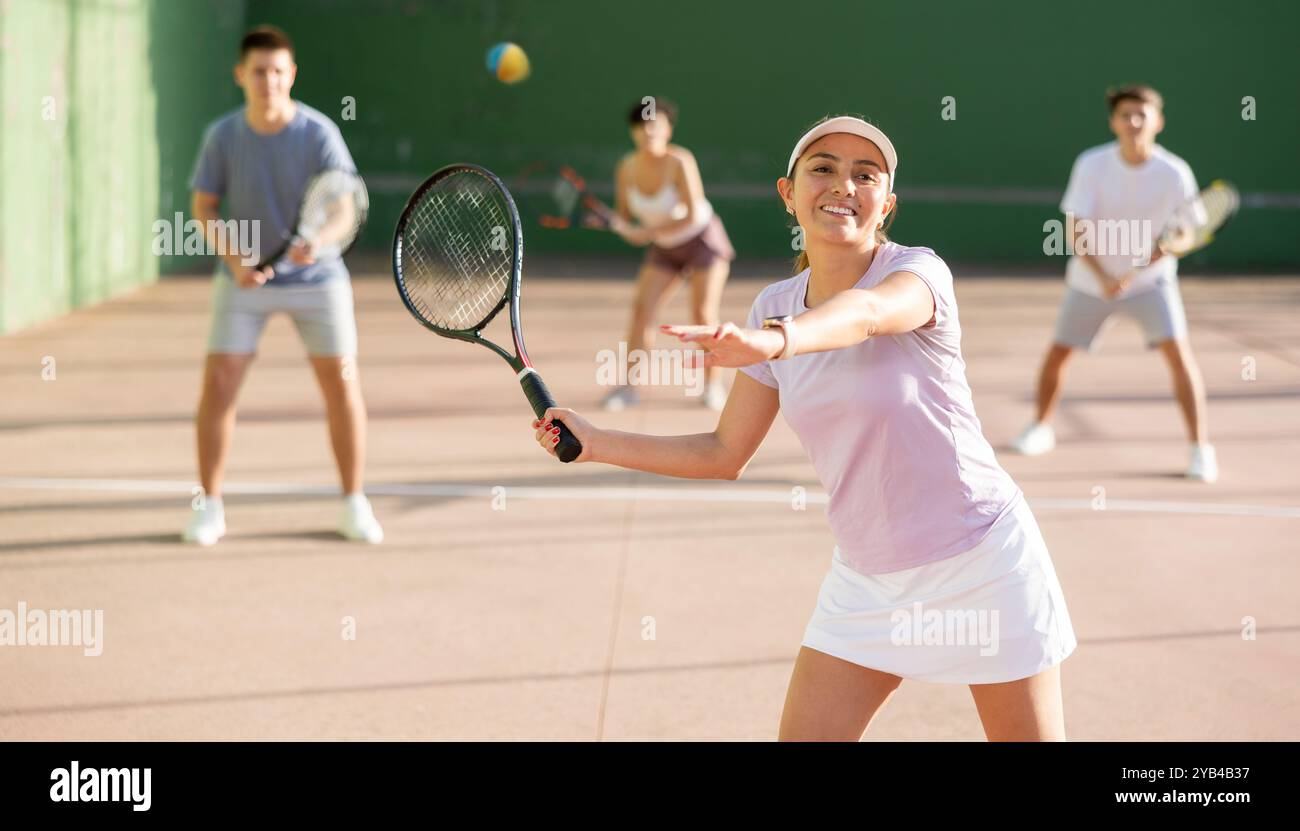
<point>1138,182</point>
<point>258,161</point>
<point>660,198</point>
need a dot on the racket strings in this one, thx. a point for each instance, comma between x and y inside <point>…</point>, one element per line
<point>458,252</point>
<point>1195,223</point>
<point>329,196</point>
<point>566,197</point>
<point>1217,204</point>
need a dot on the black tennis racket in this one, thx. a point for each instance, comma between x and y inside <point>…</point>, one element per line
<point>458,259</point>
<point>557,196</point>
<point>330,218</point>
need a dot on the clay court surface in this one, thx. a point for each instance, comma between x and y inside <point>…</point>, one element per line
<point>532,621</point>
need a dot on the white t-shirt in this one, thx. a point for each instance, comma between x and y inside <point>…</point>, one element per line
<point>1128,206</point>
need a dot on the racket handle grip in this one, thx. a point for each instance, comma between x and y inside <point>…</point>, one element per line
<point>569,448</point>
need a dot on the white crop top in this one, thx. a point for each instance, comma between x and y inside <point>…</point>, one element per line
<point>663,207</point>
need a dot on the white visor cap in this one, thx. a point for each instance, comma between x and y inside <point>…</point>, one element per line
<point>854,126</point>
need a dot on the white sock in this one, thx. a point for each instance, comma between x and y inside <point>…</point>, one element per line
<point>214,504</point>
<point>355,500</point>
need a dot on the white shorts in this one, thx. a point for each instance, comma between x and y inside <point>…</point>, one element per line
<point>1158,310</point>
<point>992,614</point>
<point>322,312</point>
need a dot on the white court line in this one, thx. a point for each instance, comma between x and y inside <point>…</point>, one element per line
<point>615,494</point>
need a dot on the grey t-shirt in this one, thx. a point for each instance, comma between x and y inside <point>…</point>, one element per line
<point>263,178</point>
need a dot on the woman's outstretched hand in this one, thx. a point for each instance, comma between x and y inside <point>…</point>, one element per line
<point>729,345</point>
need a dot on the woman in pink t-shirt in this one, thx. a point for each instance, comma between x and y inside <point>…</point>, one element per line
<point>940,572</point>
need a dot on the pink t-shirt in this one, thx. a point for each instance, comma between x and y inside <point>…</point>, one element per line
<point>890,428</point>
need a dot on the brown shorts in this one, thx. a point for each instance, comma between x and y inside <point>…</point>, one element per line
<point>700,252</point>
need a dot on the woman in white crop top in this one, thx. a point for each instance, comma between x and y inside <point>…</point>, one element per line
<point>661,205</point>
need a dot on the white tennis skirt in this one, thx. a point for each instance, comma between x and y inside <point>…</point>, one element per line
<point>992,614</point>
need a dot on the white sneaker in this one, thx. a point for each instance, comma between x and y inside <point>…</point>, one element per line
<point>1204,466</point>
<point>207,524</point>
<point>358,522</point>
<point>620,399</point>
<point>1038,438</point>
<point>715,397</point>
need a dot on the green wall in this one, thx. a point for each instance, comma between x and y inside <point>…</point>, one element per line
<point>34,163</point>
<point>193,49</point>
<point>134,82</point>
<point>1028,79</point>
<point>78,155</point>
<point>103,102</point>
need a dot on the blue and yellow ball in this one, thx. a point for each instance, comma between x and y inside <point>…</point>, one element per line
<point>508,63</point>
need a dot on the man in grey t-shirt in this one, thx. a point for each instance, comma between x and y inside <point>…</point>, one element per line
<point>255,163</point>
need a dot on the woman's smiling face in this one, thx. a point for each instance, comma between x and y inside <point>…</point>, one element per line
<point>840,190</point>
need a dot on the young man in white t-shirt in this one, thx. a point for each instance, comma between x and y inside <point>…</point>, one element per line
<point>1119,198</point>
